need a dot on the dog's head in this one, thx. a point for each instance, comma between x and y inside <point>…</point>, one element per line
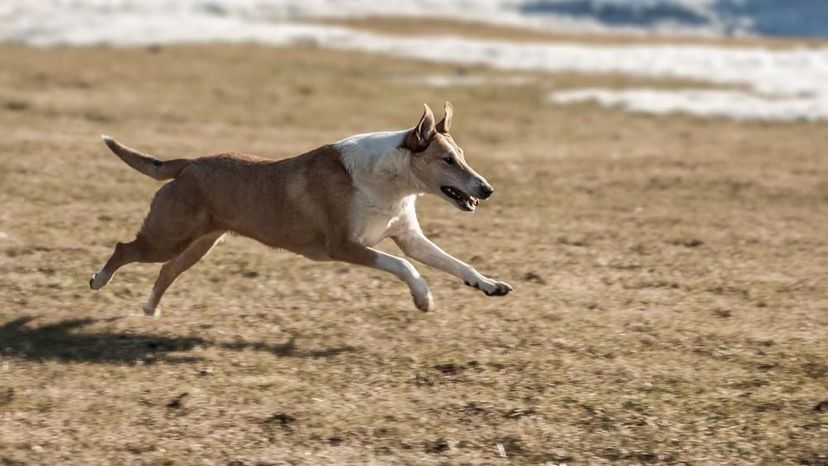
<point>439,164</point>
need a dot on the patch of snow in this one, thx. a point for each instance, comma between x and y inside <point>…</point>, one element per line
<point>778,84</point>
<point>700,102</point>
<point>446,80</point>
<point>798,18</point>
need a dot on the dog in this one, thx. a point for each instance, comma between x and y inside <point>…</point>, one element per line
<point>332,203</point>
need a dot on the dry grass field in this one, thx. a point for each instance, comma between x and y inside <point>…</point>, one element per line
<point>670,276</point>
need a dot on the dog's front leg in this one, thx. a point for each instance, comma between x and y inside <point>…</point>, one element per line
<point>369,257</point>
<point>415,244</point>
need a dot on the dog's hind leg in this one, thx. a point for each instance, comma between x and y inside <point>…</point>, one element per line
<point>139,250</point>
<point>171,226</point>
<point>172,269</point>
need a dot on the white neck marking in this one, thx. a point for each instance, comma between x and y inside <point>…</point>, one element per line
<point>378,158</point>
<point>381,171</point>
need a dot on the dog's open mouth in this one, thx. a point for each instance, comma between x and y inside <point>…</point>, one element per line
<point>463,200</point>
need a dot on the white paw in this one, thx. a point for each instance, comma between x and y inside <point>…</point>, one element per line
<point>424,302</point>
<point>99,280</point>
<point>491,287</point>
<point>152,311</point>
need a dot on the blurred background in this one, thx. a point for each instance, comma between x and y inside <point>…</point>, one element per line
<point>661,206</point>
<point>758,83</point>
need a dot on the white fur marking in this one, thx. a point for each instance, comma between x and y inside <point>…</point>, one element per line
<point>151,307</point>
<point>99,280</point>
<point>377,154</point>
<point>378,143</point>
<point>374,222</point>
<point>381,171</point>
<point>416,245</point>
<point>406,272</point>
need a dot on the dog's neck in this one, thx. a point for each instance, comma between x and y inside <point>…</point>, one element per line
<point>377,161</point>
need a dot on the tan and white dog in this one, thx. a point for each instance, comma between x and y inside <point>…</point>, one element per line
<point>332,203</point>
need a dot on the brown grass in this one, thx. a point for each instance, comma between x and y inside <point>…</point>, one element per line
<point>670,273</point>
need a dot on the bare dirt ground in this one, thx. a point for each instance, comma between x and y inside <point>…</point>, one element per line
<point>670,275</point>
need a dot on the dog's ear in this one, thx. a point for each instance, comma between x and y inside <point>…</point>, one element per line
<point>420,136</point>
<point>444,124</point>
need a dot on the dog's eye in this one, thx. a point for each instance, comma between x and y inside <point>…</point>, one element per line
<point>449,160</point>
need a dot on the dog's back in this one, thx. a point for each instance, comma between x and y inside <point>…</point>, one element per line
<point>287,204</point>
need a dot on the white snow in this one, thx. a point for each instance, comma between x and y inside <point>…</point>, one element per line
<point>447,80</point>
<point>766,84</point>
<point>700,102</point>
<point>707,17</point>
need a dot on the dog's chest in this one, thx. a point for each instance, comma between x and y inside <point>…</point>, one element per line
<point>375,221</point>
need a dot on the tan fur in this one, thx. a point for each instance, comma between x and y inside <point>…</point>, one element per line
<point>303,204</point>
<point>146,164</point>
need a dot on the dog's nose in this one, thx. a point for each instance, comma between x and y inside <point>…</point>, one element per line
<point>486,190</point>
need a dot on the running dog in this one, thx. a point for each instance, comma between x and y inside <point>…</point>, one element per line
<point>332,203</point>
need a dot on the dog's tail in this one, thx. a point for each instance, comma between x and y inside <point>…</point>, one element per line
<point>146,164</point>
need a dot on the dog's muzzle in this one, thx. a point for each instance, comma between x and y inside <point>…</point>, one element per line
<point>485,191</point>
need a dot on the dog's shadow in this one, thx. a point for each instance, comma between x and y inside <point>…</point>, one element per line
<point>70,341</point>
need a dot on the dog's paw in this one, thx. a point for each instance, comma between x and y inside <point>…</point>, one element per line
<point>499,289</point>
<point>152,311</point>
<point>98,280</point>
<point>492,287</point>
<point>424,302</point>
